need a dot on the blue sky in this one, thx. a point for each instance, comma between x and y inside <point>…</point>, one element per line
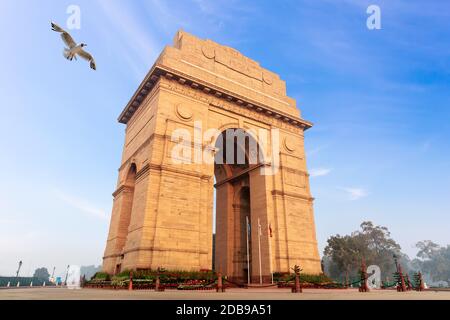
<point>380,101</point>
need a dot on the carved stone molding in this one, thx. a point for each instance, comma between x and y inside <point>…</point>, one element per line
<point>292,194</point>
<point>289,144</point>
<point>183,112</point>
<point>121,189</point>
<point>248,110</point>
<point>209,51</point>
<point>196,89</point>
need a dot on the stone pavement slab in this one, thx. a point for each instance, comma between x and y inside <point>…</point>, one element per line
<point>230,294</point>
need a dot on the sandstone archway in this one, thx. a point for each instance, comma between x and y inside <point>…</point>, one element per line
<point>237,248</point>
<point>195,86</point>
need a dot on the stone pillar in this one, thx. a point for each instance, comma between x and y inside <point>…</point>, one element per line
<point>224,229</point>
<point>260,233</point>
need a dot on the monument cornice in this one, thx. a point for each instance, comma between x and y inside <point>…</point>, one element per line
<point>164,249</point>
<point>292,194</point>
<point>159,71</point>
<point>122,188</point>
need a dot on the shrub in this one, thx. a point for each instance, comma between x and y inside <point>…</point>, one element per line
<point>101,276</point>
<point>305,278</point>
<point>166,277</point>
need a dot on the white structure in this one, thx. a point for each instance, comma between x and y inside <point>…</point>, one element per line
<point>73,277</point>
<point>374,280</point>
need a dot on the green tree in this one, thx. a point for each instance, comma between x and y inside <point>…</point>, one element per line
<point>42,273</point>
<point>427,249</point>
<point>433,260</point>
<point>372,243</point>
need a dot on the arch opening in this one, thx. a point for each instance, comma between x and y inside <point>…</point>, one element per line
<point>236,158</point>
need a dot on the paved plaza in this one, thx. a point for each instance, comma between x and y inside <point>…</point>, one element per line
<point>231,294</point>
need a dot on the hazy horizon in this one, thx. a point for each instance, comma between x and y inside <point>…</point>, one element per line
<point>379,101</point>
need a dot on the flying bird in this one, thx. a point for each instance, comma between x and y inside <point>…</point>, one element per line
<point>73,49</point>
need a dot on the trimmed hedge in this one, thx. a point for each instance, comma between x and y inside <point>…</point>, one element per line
<point>192,280</point>
<point>145,279</point>
<point>310,278</point>
<point>23,281</point>
<point>101,276</point>
<point>174,276</point>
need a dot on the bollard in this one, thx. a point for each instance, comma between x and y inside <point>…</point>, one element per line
<point>363,287</point>
<point>31,284</point>
<point>9,283</point>
<point>43,284</point>
<point>157,283</point>
<point>297,288</point>
<point>158,286</point>
<point>130,285</point>
<point>401,287</point>
<point>421,284</point>
<point>219,283</point>
<point>409,288</point>
<point>18,283</point>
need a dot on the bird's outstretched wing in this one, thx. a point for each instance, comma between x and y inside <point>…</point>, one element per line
<point>87,56</point>
<point>67,38</point>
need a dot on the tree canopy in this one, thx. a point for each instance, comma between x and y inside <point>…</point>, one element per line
<point>42,274</point>
<point>433,260</point>
<point>372,243</point>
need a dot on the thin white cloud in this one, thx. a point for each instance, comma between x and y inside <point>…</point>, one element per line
<point>319,172</point>
<point>355,193</point>
<point>81,205</point>
<point>165,17</point>
<point>132,32</point>
<point>204,6</point>
<point>315,150</point>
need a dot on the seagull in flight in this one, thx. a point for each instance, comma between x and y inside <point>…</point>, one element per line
<point>73,49</point>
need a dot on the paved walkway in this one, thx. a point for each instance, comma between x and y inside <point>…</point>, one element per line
<point>231,294</point>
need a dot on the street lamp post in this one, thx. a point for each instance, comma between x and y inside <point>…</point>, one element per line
<point>396,262</point>
<point>67,275</point>
<point>18,270</point>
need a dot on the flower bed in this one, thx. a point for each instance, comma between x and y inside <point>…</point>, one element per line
<point>146,280</point>
<point>308,285</point>
<point>184,280</point>
<point>287,280</point>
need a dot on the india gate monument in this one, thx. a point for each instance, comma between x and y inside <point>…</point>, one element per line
<point>199,103</point>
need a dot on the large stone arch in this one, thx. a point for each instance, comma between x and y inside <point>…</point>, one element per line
<point>196,81</point>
